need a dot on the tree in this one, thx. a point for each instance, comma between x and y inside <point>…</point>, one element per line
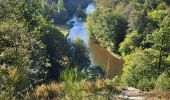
<point>58,50</point>
<point>151,4</point>
<point>136,21</point>
<point>141,69</point>
<point>61,15</point>
<point>160,39</point>
<point>23,24</point>
<point>107,28</point>
<point>157,15</point>
<point>131,42</point>
<point>60,6</point>
<point>80,53</point>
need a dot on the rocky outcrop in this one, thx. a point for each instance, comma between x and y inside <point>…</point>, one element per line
<point>131,93</point>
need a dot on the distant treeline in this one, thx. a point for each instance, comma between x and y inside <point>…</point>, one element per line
<point>68,9</point>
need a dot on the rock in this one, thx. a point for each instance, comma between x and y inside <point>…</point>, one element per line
<point>131,93</point>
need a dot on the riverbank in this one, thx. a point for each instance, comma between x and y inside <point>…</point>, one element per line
<point>108,50</point>
<point>114,54</point>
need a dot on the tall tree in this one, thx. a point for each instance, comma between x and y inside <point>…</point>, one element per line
<point>161,39</point>
<point>60,6</point>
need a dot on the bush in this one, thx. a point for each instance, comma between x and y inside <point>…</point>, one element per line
<point>72,75</point>
<point>14,82</point>
<point>79,85</point>
<point>139,68</point>
<point>146,84</point>
<point>163,81</point>
<point>50,91</point>
<point>131,42</point>
<point>93,72</point>
<point>72,78</point>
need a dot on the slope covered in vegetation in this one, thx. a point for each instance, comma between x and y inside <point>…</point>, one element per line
<point>138,30</point>
<point>37,62</point>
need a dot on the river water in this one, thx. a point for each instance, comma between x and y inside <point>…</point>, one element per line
<point>99,56</point>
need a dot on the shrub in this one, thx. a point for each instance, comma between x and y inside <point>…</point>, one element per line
<point>139,68</point>
<point>146,84</point>
<point>89,86</point>
<point>72,75</point>
<point>93,72</point>
<point>131,42</point>
<point>50,91</point>
<point>72,79</point>
<point>163,81</point>
<point>14,81</point>
<point>103,85</point>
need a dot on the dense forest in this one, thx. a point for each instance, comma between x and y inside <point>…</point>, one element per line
<point>38,62</point>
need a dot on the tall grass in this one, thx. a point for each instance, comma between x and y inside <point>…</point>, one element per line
<point>75,84</point>
<point>72,75</point>
<point>79,86</point>
<point>73,79</point>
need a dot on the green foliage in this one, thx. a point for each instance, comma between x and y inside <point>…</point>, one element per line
<point>80,53</point>
<point>72,75</point>
<point>106,3</point>
<point>78,85</point>
<point>145,48</point>
<point>141,66</point>
<point>62,14</point>
<point>151,4</point>
<point>108,29</point>
<point>163,81</point>
<point>72,5</point>
<point>93,72</point>
<point>14,82</point>
<point>32,50</point>
<point>162,6</point>
<point>146,84</point>
<point>136,21</point>
<point>141,69</point>
<point>58,50</point>
<point>60,6</point>
<point>157,15</point>
<point>64,9</point>
<point>131,42</point>
<point>167,1</point>
<point>160,40</point>
<point>78,74</point>
<point>30,41</point>
<point>161,37</point>
<point>72,78</point>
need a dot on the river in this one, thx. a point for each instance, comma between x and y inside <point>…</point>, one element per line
<point>99,56</point>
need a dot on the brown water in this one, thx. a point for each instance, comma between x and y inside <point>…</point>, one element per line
<point>99,55</point>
